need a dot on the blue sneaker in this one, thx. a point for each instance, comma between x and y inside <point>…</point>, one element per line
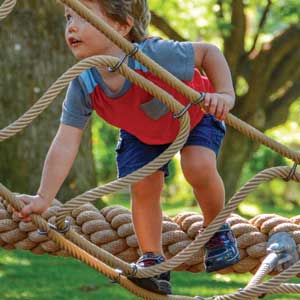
<point>158,284</point>
<point>221,250</point>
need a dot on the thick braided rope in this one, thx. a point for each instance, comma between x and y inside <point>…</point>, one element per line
<point>262,289</point>
<point>173,81</point>
<point>111,229</point>
<point>6,8</point>
<point>194,247</point>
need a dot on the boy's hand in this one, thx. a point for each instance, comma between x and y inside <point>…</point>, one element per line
<point>218,104</point>
<point>33,204</point>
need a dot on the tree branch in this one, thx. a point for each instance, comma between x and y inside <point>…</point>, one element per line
<point>221,11</point>
<point>278,110</point>
<point>280,46</point>
<point>285,71</point>
<point>261,25</point>
<point>263,66</point>
<point>234,45</point>
<point>161,24</point>
<point>220,14</point>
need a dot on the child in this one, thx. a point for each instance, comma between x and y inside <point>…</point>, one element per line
<point>126,106</point>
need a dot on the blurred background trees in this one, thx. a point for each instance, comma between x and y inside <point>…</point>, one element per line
<point>260,40</point>
<point>33,55</point>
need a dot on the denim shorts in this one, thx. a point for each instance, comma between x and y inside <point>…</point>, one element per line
<point>133,154</point>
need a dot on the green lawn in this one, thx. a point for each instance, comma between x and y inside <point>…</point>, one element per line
<point>30,277</point>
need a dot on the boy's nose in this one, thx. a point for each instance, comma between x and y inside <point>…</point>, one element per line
<point>72,27</point>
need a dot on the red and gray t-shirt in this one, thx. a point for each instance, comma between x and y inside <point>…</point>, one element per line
<point>132,108</point>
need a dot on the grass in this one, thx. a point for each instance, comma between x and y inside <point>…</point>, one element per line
<point>25,276</point>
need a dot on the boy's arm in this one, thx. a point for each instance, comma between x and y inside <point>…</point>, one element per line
<point>212,61</point>
<point>58,163</point>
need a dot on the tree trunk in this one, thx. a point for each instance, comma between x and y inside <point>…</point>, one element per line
<point>33,55</point>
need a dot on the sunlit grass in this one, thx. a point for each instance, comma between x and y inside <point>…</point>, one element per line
<point>249,209</point>
<point>48,278</point>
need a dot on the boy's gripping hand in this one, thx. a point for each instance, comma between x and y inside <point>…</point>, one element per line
<point>218,104</point>
<point>33,204</point>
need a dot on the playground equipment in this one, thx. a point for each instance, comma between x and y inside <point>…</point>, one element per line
<point>64,230</point>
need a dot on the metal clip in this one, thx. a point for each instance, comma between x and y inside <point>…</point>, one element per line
<point>62,231</point>
<point>284,246</point>
<point>118,279</point>
<point>292,172</point>
<point>134,270</point>
<point>122,60</point>
<point>186,108</point>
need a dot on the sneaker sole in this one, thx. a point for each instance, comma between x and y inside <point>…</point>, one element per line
<point>154,285</point>
<point>224,264</point>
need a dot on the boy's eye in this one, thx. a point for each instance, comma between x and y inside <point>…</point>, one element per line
<point>69,18</point>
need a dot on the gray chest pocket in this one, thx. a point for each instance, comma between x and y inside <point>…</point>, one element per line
<point>154,109</point>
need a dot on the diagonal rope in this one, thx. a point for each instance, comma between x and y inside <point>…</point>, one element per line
<point>266,287</point>
<point>156,69</point>
<point>6,8</point>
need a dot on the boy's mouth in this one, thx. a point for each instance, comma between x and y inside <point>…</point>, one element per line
<point>74,42</point>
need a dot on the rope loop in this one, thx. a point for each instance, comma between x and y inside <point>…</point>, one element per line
<point>134,270</point>
<point>292,172</point>
<point>123,59</point>
<point>52,226</point>
<point>187,107</point>
<point>118,278</point>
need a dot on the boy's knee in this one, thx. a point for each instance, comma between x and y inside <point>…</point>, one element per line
<point>148,186</point>
<point>200,172</point>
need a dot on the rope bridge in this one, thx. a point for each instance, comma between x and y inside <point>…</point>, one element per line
<point>111,229</point>
<point>105,240</point>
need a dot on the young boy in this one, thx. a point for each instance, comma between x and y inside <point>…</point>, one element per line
<point>126,106</point>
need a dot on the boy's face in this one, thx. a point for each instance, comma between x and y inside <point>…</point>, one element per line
<point>83,39</point>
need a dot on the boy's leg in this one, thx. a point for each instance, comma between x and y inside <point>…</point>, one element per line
<point>199,168</point>
<point>198,160</point>
<point>132,154</point>
<point>147,220</point>
<point>146,212</point>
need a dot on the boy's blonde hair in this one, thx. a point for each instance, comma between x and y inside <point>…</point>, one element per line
<point>120,10</point>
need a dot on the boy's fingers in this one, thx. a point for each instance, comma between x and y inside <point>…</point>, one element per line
<point>224,114</point>
<point>26,211</point>
<point>219,111</point>
<point>207,101</point>
<point>212,106</point>
<point>24,199</point>
<point>16,216</point>
<point>26,220</point>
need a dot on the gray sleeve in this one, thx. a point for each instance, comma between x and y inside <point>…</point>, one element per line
<point>177,57</point>
<point>77,107</point>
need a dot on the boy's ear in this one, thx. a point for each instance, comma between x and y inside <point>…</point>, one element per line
<point>124,29</point>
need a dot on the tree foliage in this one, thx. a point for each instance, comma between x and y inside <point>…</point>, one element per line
<point>260,40</point>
